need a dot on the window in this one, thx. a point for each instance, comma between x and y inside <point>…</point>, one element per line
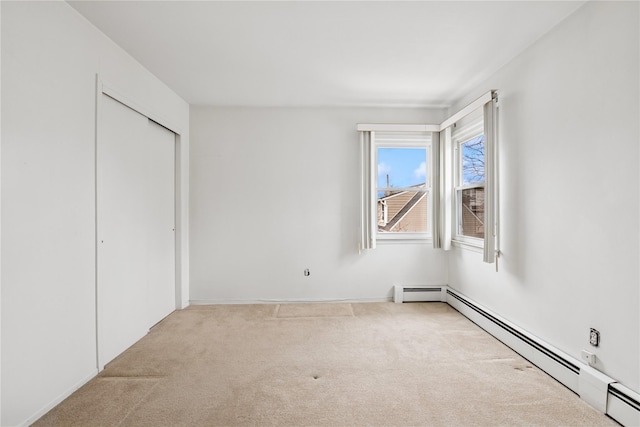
<point>403,185</point>
<point>436,181</point>
<point>469,182</point>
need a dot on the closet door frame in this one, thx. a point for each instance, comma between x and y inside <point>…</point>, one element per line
<point>180,198</point>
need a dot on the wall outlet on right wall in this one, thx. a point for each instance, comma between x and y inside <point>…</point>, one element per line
<point>594,337</point>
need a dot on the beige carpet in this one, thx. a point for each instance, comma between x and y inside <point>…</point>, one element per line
<point>371,364</point>
<point>313,310</point>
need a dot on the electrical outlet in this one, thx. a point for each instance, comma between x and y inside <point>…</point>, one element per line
<point>594,337</point>
<point>588,357</point>
<point>307,272</point>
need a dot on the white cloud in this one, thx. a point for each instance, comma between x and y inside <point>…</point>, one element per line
<point>383,168</point>
<point>421,172</point>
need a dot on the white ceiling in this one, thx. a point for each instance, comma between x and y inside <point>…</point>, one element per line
<point>341,53</point>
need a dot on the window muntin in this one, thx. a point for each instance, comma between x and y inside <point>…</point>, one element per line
<point>402,187</point>
<point>469,184</point>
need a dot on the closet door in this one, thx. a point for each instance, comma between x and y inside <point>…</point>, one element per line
<point>135,227</point>
<point>161,290</point>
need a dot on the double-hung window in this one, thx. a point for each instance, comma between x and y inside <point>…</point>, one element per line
<point>472,135</point>
<point>469,182</point>
<point>403,185</point>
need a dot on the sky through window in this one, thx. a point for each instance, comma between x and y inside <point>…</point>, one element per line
<point>404,167</point>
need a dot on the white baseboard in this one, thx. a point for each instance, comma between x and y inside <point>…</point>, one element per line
<point>49,406</point>
<point>285,301</point>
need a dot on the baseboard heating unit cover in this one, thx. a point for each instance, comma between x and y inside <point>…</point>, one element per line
<point>418,293</point>
<point>623,405</point>
<point>600,391</point>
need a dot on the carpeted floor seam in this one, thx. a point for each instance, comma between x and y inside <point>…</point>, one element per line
<point>137,405</point>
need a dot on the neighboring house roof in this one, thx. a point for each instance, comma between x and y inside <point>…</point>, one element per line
<point>402,211</point>
<point>413,201</point>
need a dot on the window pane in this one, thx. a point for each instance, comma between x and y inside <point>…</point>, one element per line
<point>402,167</point>
<point>402,212</point>
<point>472,212</point>
<point>473,160</point>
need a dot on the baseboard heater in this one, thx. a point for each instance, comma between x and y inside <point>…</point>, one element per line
<point>403,294</point>
<point>623,405</point>
<point>602,392</point>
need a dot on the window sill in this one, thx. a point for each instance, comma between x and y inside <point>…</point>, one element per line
<point>469,245</point>
<point>404,240</point>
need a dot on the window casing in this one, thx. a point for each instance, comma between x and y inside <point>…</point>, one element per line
<point>403,186</point>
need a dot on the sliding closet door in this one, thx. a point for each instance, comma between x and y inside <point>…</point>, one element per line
<point>135,219</point>
<point>160,223</point>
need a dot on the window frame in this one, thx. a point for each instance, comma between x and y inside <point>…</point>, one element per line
<point>470,130</point>
<point>404,140</point>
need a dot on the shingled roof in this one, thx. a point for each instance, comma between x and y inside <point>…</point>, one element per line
<point>399,205</point>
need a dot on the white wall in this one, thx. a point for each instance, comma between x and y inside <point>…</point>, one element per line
<point>0,215</point>
<point>275,191</point>
<point>569,190</point>
<point>50,58</point>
